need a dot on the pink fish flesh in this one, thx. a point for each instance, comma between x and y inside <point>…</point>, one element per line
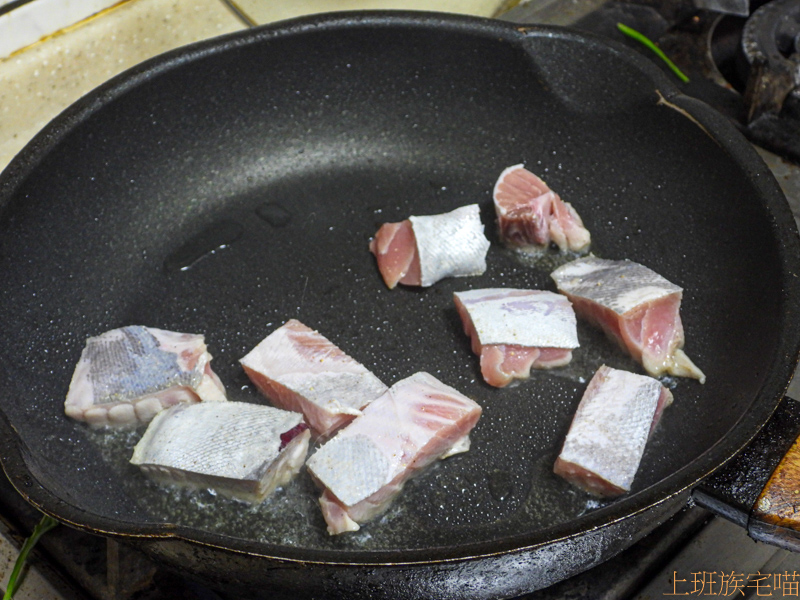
<point>416,422</point>
<point>241,450</point>
<point>423,250</point>
<point>300,370</point>
<point>126,376</point>
<point>395,249</point>
<point>635,306</point>
<point>531,215</point>
<point>611,426</point>
<point>514,331</point>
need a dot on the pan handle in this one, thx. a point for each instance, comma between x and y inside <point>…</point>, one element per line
<point>759,488</point>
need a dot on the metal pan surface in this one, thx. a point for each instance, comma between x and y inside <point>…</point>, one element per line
<point>230,186</point>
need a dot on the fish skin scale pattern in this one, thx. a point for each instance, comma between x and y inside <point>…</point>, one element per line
<point>237,439</point>
<point>451,244</point>
<point>618,285</point>
<point>133,365</point>
<point>352,468</point>
<point>612,424</point>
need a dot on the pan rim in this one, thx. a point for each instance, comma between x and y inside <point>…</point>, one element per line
<point>775,384</point>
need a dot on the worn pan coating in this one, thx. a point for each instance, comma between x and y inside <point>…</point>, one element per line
<point>230,186</point>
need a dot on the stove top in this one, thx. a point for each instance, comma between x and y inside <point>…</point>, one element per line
<point>747,67</point>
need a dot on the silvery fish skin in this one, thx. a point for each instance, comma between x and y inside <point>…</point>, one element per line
<point>619,285</point>
<point>126,376</point>
<point>417,421</point>
<point>514,330</point>
<point>608,434</point>
<point>451,244</point>
<point>299,369</point>
<point>635,306</point>
<point>234,448</point>
<point>423,250</point>
<point>521,317</point>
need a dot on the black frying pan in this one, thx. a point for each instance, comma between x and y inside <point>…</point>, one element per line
<point>230,186</point>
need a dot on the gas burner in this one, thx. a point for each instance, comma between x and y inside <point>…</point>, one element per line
<point>747,68</point>
<point>770,44</point>
<point>759,59</point>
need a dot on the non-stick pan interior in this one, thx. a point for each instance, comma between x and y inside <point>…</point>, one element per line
<point>229,188</point>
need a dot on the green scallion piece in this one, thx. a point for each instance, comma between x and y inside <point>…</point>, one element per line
<point>644,40</point>
<point>42,527</point>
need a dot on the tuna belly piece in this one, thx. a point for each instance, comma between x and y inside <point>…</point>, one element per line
<point>422,250</point>
<point>530,215</point>
<point>514,331</point>
<point>635,306</point>
<point>300,370</point>
<point>606,441</point>
<point>416,422</point>
<point>125,376</point>
<point>241,450</point>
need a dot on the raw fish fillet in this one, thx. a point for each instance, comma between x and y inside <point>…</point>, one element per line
<point>125,376</point>
<point>416,422</point>
<point>514,331</point>
<point>241,450</point>
<point>611,426</point>
<point>422,250</point>
<point>299,369</point>
<point>634,306</point>
<point>530,215</point>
